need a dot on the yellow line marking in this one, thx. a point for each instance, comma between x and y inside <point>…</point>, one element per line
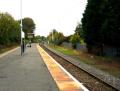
<point>64,80</point>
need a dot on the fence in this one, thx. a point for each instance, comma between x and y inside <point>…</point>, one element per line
<point>107,50</point>
<point>111,51</point>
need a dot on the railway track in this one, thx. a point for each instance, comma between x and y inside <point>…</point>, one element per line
<point>88,80</point>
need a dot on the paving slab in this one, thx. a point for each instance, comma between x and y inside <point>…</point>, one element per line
<point>25,73</point>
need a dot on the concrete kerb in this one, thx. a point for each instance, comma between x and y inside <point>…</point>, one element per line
<point>10,51</point>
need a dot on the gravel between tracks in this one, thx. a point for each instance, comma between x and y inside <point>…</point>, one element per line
<point>92,83</point>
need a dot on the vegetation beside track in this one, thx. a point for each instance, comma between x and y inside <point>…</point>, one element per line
<point>110,65</point>
<point>91,82</point>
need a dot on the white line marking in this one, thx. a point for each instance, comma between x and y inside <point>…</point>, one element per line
<point>4,54</point>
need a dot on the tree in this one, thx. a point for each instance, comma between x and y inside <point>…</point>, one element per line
<point>56,37</point>
<point>37,39</point>
<point>9,30</point>
<point>67,38</point>
<point>101,25</point>
<point>111,24</point>
<point>79,30</point>
<point>77,37</point>
<point>92,22</point>
<point>74,40</point>
<point>28,26</point>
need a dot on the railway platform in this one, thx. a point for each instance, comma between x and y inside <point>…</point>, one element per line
<point>36,70</point>
<point>64,80</point>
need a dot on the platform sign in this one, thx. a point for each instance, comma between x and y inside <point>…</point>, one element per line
<point>30,35</point>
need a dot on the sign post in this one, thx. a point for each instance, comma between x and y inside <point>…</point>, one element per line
<point>21,27</point>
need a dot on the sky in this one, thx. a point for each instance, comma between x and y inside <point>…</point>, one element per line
<point>62,15</point>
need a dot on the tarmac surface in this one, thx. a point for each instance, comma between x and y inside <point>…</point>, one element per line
<point>25,73</point>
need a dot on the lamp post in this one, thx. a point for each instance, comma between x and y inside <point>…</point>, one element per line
<point>21,27</point>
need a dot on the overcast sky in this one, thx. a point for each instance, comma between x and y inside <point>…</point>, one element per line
<point>62,15</point>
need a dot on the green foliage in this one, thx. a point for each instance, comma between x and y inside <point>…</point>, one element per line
<point>66,51</point>
<point>111,24</point>
<point>9,30</point>
<point>40,39</point>
<point>75,39</point>
<point>28,26</point>
<point>92,21</point>
<point>67,38</point>
<point>79,30</point>
<point>100,23</point>
<point>37,39</point>
<point>56,37</point>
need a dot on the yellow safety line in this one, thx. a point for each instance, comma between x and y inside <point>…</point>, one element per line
<point>63,80</point>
